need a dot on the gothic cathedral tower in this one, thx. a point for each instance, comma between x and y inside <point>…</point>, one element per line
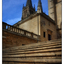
<point>28,9</point>
<point>55,12</point>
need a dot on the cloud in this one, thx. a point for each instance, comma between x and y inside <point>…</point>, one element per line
<point>12,21</point>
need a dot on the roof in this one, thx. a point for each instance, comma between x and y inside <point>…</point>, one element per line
<point>33,15</point>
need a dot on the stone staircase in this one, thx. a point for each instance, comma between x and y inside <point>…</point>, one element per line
<point>49,52</point>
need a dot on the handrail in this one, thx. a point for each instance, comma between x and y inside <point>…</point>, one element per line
<point>8,27</point>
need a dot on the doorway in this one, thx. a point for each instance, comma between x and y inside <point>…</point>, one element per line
<point>49,37</point>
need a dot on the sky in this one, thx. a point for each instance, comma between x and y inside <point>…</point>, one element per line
<point>12,9</point>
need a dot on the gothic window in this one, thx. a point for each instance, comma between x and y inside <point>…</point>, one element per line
<point>25,13</point>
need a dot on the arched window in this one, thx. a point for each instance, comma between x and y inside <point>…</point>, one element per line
<point>43,23</point>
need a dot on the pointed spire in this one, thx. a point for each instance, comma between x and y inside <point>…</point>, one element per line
<point>23,5</point>
<point>39,10</point>
<point>39,3</point>
<point>29,3</point>
<point>34,6</point>
<point>28,9</point>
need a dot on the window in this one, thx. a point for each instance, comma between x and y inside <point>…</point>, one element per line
<point>43,23</point>
<point>44,34</point>
<point>23,44</point>
<point>49,23</point>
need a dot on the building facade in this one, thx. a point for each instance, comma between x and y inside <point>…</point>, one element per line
<point>38,22</point>
<point>34,25</point>
<point>55,12</point>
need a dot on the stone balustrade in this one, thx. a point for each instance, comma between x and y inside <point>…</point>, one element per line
<point>19,31</point>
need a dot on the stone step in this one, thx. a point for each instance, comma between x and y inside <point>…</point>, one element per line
<point>49,54</point>
<point>27,60</point>
<point>35,46</point>
<point>33,49</point>
<point>38,57</point>
<point>37,51</point>
<point>56,44</point>
<point>55,40</point>
<point>31,45</point>
<point>28,63</point>
<point>53,57</point>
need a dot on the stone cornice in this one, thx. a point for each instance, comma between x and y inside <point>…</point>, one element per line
<point>47,17</point>
<point>27,18</point>
<point>18,31</point>
<point>33,15</point>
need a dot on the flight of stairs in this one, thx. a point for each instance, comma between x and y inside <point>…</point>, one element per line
<point>38,53</point>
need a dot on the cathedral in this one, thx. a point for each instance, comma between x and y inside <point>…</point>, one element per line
<point>36,38</point>
<point>35,26</point>
<point>48,27</point>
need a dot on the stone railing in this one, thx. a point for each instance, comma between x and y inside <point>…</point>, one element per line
<point>19,31</point>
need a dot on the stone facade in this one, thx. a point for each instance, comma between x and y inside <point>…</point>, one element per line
<point>30,24</point>
<point>59,13</point>
<point>55,11</point>
<point>13,40</point>
<point>28,9</point>
<point>51,9</point>
<point>36,23</point>
<point>49,28</point>
<point>37,28</point>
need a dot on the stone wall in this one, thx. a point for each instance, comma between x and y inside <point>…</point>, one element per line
<point>55,10</point>
<point>41,23</point>
<point>11,40</point>
<point>51,9</point>
<point>49,28</point>
<point>31,25</point>
<point>59,13</point>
